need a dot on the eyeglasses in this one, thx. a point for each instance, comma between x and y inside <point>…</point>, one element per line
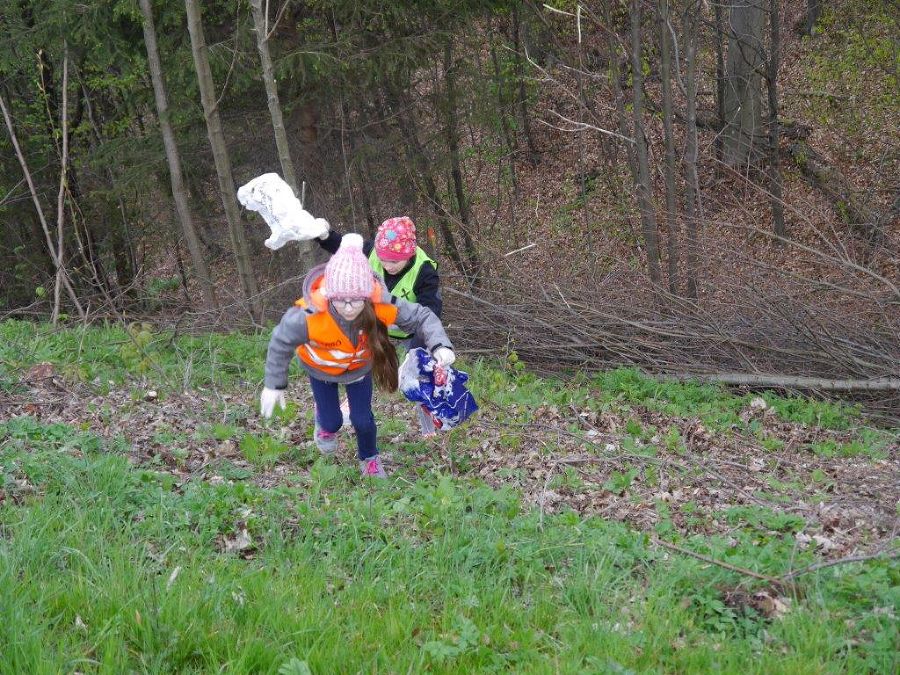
<point>353,304</point>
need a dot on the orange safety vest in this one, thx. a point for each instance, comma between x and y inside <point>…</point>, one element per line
<point>328,349</point>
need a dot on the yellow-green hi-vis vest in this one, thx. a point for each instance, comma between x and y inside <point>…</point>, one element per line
<point>404,288</point>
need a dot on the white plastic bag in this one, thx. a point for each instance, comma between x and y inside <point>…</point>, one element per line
<point>274,200</point>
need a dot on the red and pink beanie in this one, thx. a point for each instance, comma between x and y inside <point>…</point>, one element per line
<point>348,275</point>
<point>396,239</point>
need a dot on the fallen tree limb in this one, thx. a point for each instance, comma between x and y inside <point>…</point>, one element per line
<point>711,122</point>
<point>881,555</point>
<point>712,561</point>
<point>777,381</point>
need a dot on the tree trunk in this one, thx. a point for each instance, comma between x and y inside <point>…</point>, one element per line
<point>48,261</point>
<point>813,11</point>
<point>520,78</point>
<point>86,246</point>
<point>89,236</point>
<point>122,243</point>
<point>643,187</point>
<point>344,153</point>
<point>772,65</point>
<point>268,75</point>
<point>307,253</point>
<point>666,75</point>
<point>504,123</point>
<point>123,252</point>
<point>453,147</point>
<point>57,263</point>
<point>221,158</point>
<point>720,74</point>
<point>744,141</point>
<point>692,200</point>
<point>363,176</point>
<point>416,153</point>
<point>179,193</point>
<point>615,80</point>
<point>60,200</point>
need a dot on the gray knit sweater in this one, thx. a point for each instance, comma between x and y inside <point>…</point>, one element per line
<point>291,332</point>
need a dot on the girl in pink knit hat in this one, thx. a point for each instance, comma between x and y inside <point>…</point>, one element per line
<point>339,331</point>
<point>408,273</point>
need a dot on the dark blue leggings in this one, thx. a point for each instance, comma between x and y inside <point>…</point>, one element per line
<point>359,394</point>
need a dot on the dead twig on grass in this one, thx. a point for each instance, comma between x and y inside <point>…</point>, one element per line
<point>777,583</point>
<point>880,555</point>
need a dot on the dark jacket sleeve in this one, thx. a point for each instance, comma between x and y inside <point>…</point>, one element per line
<point>428,288</point>
<point>332,243</point>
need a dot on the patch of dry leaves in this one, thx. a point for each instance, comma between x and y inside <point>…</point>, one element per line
<point>559,458</point>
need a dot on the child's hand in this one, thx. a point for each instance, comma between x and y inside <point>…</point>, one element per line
<point>268,399</point>
<point>444,356</point>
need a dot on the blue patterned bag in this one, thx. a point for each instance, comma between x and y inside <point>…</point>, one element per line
<point>441,391</point>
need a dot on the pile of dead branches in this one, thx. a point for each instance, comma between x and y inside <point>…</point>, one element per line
<point>828,323</point>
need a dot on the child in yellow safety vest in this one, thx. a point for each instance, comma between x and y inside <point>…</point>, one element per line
<point>408,273</point>
<point>339,331</point>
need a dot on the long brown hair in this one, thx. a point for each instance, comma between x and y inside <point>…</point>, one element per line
<point>384,356</point>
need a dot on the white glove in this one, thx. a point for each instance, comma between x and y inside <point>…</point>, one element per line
<point>268,399</point>
<point>444,356</point>
<point>324,223</point>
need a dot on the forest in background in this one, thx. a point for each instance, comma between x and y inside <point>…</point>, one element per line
<point>691,187</point>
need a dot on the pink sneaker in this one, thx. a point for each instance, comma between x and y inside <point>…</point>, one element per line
<point>372,467</point>
<point>326,441</point>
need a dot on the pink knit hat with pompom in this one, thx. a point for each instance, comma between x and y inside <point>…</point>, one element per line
<point>396,239</point>
<point>348,275</point>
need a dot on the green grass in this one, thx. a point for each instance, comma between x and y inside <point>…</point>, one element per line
<point>110,567</point>
<point>871,443</point>
<point>714,405</point>
<point>264,450</point>
<point>218,431</point>
<point>107,567</point>
<point>112,354</point>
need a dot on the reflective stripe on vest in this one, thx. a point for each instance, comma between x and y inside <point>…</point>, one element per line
<point>405,286</point>
<point>329,350</point>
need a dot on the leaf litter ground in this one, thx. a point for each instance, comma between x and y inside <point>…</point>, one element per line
<point>657,472</point>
